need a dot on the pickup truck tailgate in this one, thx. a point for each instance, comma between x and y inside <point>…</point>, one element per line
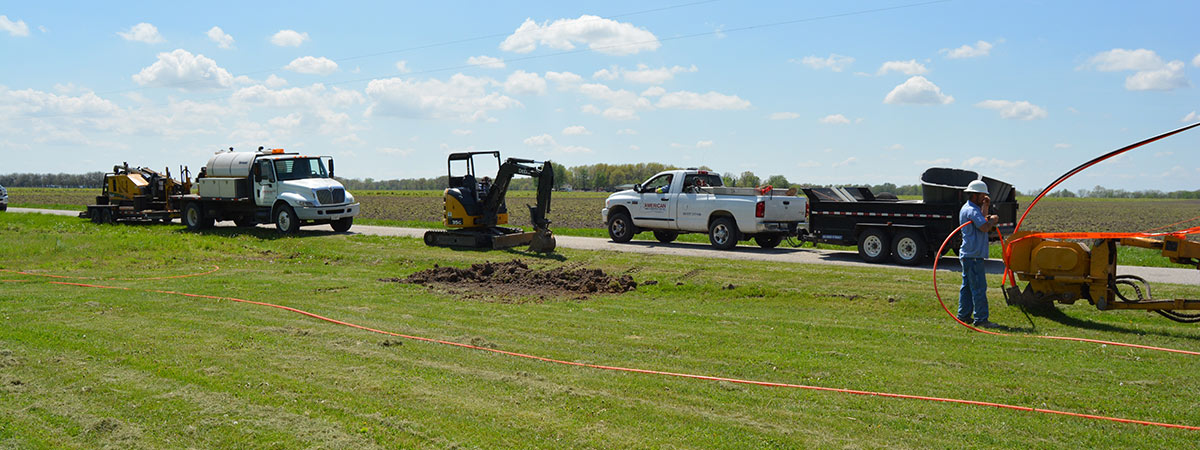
<point>783,209</point>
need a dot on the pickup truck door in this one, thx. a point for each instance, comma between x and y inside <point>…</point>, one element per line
<point>263,180</point>
<point>658,205</point>
<point>693,205</point>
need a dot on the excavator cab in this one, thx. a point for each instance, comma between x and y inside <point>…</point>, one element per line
<point>474,207</point>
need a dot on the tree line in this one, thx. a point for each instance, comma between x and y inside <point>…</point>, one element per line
<point>72,180</point>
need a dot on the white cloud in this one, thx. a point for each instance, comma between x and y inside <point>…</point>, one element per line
<point>572,149</point>
<point>522,82</point>
<point>402,67</point>
<point>1166,78</point>
<point>846,162</point>
<point>834,62</point>
<point>575,130</point>
<point>395,151</point>
<point>289,38</point>
<point>1191,117</point>
<point>704,144</point>
<point>981,48</point>
<point>1119,59</point>
<point>623,104</point>
<point>142,32</point>
<point>275,82</point>
<point>918,90</point>
<point>710,100</point>
<point>223,39</point>
<point>895,147</point>
<point>602,35</point>
<point>834,119</point>
<point>910,67</point>
<point>286,122</point>
<point>544,140</point>
<point>461,97</point>
<point>983,161</point>
<point>487,62</point>
<point>312,65</point>
<point>1196,60</point>
<point>1062,146</point>
<point>564,80</point>
<point>634,147</point>
<point>462,132</point>
<point>643,74</point>
<point>784,116</point>
<point>654,91</point>
<point>185,71</point>
<point>312,97</point>
<point>1008,109</point>
<point>627,131</point>
<point>17,29</point>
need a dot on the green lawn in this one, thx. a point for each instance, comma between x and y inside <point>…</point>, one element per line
<point>85,367</point>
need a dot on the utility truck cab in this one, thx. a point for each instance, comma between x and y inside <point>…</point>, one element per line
<point>269,186</point>
<point>696,201</point>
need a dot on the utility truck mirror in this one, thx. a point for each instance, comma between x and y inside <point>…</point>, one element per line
<point>257,173</point>
<point>331,168</point>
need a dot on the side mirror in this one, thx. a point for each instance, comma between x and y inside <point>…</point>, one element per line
<point>331,168</point>
<point>637,188</point>
<point>257,173</point>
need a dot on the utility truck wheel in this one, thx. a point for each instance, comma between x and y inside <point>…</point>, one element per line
<point>285,220</point>
<point>193,217</point>
<point>873,245</point>
<point>342,225</point>
<point>620,227</point>
<point>768,240</point>
<point>723,233</point>
<point>908,248</point>
<point>665,236</point>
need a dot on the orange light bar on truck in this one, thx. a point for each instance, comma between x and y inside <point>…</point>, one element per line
<point>276,151</point>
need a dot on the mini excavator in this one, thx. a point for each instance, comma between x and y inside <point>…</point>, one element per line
<point>474,209</point>
<point>1066,271</point>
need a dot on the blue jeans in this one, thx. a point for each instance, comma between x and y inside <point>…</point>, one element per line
<point>972,297</point>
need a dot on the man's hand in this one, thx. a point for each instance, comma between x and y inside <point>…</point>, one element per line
<point>986,204</point>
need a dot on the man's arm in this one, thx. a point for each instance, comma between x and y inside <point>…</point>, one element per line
<point>989,221</point>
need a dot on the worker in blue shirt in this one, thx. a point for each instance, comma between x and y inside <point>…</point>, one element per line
<point>972,297</point>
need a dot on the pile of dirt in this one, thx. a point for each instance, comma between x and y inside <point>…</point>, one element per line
<point>507,281</point>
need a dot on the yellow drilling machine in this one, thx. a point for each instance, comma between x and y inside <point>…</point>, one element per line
<point>474,208</point>
<point>1067,271</point>
<point>138,194</point>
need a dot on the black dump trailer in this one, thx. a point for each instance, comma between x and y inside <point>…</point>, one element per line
<point>905,231</point>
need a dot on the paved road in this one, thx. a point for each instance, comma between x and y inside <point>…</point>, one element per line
<point>778,255</point>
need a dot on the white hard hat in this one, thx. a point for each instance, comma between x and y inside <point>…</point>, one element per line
<point>977,187</point>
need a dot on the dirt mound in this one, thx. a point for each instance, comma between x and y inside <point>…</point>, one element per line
<point>508,280</point>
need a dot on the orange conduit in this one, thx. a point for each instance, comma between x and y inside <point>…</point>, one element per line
<point>663,373</point>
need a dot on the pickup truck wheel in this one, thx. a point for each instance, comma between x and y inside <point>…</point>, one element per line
<point>768,240</point>
<point>723,233</point>
<point>620,227</point>
<point>193,217</point>
<point>342,225</point>
<point>666,236</point>
<point>285,220</point>
<point>908,248</point>
<point>873,245</point>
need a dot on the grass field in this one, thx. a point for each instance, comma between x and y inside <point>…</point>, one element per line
<point>86,367</point>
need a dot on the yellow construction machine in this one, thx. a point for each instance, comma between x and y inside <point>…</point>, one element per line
<point>474,208</point>
<point>138,194</point>
<point>1064,271</point>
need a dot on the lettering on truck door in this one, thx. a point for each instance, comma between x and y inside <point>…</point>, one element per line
<point>657,208</point>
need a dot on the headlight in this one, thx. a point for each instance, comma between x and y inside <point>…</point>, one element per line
<point>307,204</point>
<point>349,198</point>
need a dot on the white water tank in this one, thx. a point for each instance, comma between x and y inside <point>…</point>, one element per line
<point>230,164</point>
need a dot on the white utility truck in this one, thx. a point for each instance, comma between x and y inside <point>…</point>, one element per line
<point>269,186</point>
<point>695,201</point>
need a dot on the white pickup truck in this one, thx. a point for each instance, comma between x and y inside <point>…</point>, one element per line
<point>695,201</point>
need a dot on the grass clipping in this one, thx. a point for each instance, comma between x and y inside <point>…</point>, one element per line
<point>515,282</point>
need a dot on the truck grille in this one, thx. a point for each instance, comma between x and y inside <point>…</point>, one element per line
<point>331,196</point>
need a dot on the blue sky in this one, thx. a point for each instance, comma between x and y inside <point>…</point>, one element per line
<point>847,92</point>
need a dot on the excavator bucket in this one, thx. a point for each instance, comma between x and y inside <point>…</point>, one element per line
<point>543,241</point>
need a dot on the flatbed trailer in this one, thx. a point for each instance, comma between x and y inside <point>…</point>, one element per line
<point>906,231</point>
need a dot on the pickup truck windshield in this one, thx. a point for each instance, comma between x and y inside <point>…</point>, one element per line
<point>300,168</point>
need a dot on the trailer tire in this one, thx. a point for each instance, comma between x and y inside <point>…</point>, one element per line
<point>723,233</point>
<point>106,216</point>
<point>342,225</point>
<point>665,236</point>
<point>193,217</point>
<point>285,219</point>
<point>873,245</point>
<point>620,227</point>
<point>768,241</point>
<point>909,248</point>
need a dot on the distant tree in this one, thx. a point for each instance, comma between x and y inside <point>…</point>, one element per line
<point>729,179</point>
<point>779,181</point>
<point>749,179</point>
